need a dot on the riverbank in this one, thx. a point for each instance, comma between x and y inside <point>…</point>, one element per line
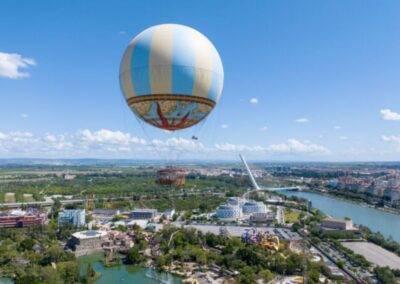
<point>378,220</point>
<point>359,202</point>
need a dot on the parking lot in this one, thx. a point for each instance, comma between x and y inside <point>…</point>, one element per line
<point>375,254</point>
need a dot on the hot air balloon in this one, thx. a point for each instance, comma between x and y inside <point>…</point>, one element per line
<point>171,76</point>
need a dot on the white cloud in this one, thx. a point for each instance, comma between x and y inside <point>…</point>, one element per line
<point>343,137</point>
<point>302,120</point>
<point>292,146</point>
<point>224,126</point>
<point>175,144</point>
<point>387,114</point>
<point>337,127</point>
<point>122,32</point>
<point>254,101</point>
<point>264,128</point>
<point>105,136</point>
<point>392,138</point>
<point>106,143</point>
<point>12,63</point>
<point>228,147</point>
<point>87,143</point>
<point>23,115</point>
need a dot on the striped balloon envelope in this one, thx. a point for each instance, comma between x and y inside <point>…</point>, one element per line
<point>171,76</point>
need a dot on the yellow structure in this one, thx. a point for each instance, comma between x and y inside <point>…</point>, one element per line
<point>270,242</point>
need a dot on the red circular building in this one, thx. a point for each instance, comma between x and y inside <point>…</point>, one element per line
<point>172,177</point>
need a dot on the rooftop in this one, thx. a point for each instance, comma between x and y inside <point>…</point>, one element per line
<point>89,234</point>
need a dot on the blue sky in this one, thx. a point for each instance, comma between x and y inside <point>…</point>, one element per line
<point>304,80</point>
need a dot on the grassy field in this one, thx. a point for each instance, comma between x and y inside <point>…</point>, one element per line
<point>28,197</point>
<point>9,197</point>
<point>291,215</point>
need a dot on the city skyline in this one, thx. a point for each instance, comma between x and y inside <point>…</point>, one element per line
<point>303,82</point>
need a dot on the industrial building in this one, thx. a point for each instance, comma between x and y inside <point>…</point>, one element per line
<point>87,242</point>
<point>229,212</point>
<point>75,217</point>
<point>262,217</point>
<point>236,201</point>
<point>336,224</point>
<point>251,207</point>
<point>236,207</point>
<point>143,214</point>
<point>19,218</point>
<point>106,212</point>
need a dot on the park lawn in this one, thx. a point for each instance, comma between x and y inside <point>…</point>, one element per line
<point>291,216</point>
<point>9,197</point>
<point>28,197</point>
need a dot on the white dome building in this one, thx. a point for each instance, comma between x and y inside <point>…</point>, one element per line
<point>251,207</point>
<point>236,201</point>
<point>228,212</point>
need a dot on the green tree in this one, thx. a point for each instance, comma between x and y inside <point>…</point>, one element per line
<point>28,279</point>
<point>90,272</point>
<point>26,244</point>
<point>385,275</point>
<point>133,256</point>
<point>246,276</point>
<point>69,271</point>
<point>266,275</point>
<point>55,208</point>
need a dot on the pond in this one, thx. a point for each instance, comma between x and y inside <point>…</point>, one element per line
<point>126,273</point>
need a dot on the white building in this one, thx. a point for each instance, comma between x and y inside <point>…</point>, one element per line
<point>251,207</point>
<point>168,214</point>
<point>236,201</point>
<point>75,217</point>
<point>228,212</point>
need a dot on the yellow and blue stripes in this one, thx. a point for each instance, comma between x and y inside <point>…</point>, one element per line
<point>171,59</point>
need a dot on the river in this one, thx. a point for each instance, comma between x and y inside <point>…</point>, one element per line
<point>386,223</point>
<point>126,273</point>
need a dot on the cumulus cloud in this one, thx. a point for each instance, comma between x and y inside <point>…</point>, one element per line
<point>292,146</point>
<point>264,128</point>
<point>105,136</point>
<point>101,143</point>
<point>228,147</point>
<point>387,114</point>
<point>392,138</point>
<point>254,101</point>
<point>224,126</point>
<point>12,63</point>
<point>106,143</point>
<point>302,120</point>
<point>175,144</point>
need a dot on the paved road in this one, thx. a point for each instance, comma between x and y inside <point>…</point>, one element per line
<point>279,215</point>
<point>237,231</point>
<point>246,194</point>
<point>49,202</point>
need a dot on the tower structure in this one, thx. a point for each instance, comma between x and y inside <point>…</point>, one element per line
<point>252,179</point>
